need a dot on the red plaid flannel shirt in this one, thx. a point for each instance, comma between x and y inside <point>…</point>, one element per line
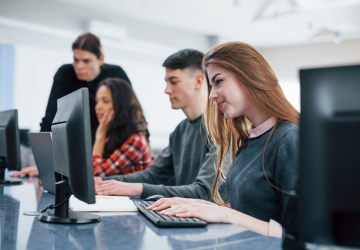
<point>133,156</point>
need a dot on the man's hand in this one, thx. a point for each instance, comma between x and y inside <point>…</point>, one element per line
<point>30,171</point>
<point>97,179</point>
<point>118,188</point>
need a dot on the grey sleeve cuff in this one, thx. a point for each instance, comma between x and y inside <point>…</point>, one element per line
<point>114,177</point>
<point>194,190</point>
<point>149,189</point>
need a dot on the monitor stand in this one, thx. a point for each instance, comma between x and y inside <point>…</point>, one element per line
<point>3,167</point>
<point>61,213</point>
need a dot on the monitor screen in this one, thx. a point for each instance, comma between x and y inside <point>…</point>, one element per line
<point>329,186</point>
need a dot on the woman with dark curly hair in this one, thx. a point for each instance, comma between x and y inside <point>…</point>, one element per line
<point>120,145</point>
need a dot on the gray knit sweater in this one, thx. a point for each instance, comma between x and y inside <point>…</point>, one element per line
<point>188,157</point>
<point>248,190</point>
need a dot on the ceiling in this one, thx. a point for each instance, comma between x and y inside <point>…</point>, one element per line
<point>262,23</point>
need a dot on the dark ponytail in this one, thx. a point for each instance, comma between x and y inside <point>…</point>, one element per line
<point>88,42</point>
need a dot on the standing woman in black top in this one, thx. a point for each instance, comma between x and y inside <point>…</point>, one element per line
<point>87,70</point>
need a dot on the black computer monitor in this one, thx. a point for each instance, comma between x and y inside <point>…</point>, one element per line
<point>329,182</point>
<point>9,145</point>
<point>71,140</point>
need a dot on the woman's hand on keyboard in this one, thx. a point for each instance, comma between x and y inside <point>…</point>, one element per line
<point>168,202</point>
<point>218,214</point>
<point>206,212</point>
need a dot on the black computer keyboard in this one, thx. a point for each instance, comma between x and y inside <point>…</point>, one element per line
<point>167,221</point>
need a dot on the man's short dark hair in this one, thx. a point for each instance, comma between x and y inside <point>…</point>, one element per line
<point>186,58</point>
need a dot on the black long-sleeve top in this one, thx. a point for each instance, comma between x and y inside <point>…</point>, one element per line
<point>66,81</point>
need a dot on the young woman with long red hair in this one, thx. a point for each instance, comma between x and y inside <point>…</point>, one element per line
<point>248,115</point>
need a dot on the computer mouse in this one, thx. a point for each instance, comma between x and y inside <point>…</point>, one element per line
<point>154,197</point>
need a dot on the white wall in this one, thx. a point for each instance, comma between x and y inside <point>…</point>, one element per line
<point>286,62</point>
<point>34,71</point>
